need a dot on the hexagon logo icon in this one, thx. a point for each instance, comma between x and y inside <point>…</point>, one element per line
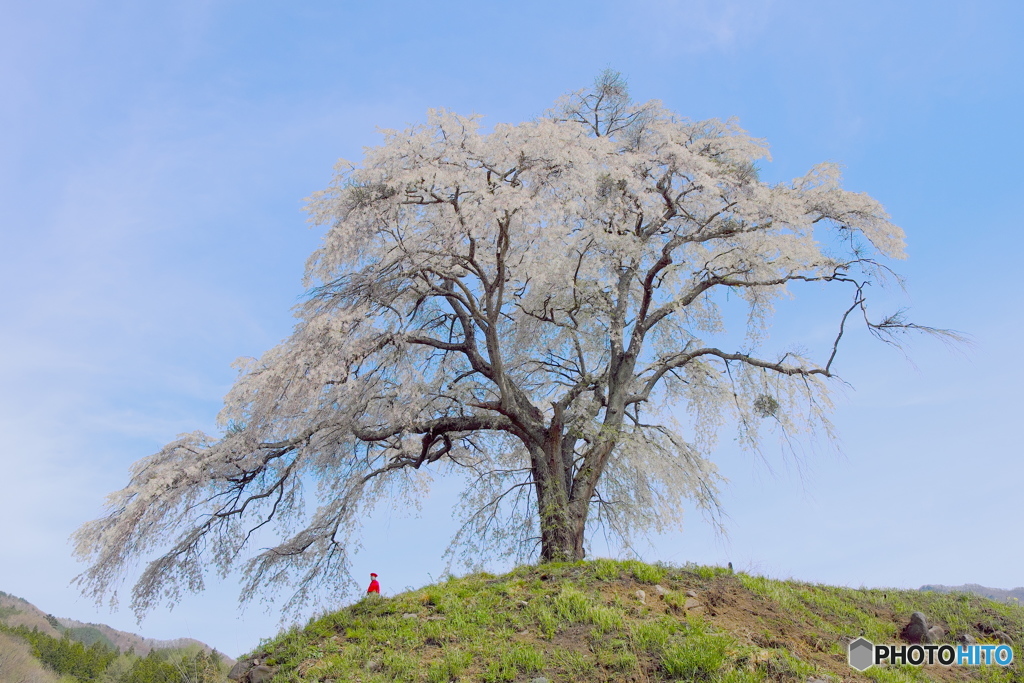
<point>862,654</point>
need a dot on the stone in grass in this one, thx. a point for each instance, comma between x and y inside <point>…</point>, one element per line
<point>240,668</point>
<point>409,615</point>
<point>261,674</point>
<point>661,591</point>
<point>692,606</point>
<point>918,630</point>
<point>640,595</point>
<point>691,594</point>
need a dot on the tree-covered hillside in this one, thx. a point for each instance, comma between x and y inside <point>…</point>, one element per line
<point>72,661</point>
<point>36,647</point>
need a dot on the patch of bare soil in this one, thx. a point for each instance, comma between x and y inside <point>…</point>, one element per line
<point>753,620</point>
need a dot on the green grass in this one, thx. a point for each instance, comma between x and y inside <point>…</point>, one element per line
<point>583,622</point>
<point>696,653</point>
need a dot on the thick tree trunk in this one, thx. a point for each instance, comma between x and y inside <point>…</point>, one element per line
<point>561,523</point>
<point>561,536</point>
<point>564,500</point>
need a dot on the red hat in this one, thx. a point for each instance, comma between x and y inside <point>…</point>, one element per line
<point>372,574</point>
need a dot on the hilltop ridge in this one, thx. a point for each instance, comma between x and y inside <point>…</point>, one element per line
<point>997,594</point>
<point>607,620</point>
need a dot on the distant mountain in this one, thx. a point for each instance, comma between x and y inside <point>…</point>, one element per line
<point>15,611</point>
<point>997,594</point>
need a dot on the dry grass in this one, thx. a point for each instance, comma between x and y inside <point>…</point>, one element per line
<point>17,665</point>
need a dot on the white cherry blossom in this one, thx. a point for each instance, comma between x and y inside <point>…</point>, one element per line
<point>528,307</point>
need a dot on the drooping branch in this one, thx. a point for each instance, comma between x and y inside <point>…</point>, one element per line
<point>505,305</point>
<point>681,359</point>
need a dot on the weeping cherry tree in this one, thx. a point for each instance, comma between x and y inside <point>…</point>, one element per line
<point>537,310</point>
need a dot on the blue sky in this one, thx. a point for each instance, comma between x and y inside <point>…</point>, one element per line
<point>153,163</point>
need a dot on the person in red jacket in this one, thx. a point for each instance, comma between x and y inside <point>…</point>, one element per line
<point>374,586</point>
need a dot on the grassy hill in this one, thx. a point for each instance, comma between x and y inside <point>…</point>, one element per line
<point>586,622</point>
